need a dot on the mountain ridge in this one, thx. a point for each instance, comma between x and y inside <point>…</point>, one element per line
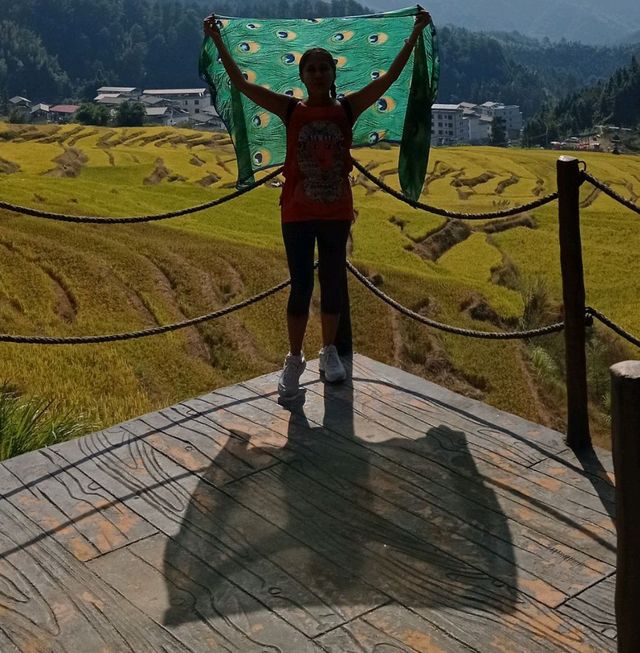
<point>573,20</point>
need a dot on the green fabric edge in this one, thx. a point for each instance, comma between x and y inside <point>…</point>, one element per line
<point>413,158</point>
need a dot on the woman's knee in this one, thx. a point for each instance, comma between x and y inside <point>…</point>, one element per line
<point>300,299</point>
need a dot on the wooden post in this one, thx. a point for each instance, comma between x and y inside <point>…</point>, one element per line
<point>578,435</point>
<point>625,427</point>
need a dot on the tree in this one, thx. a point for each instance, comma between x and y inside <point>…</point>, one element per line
<point>498,131</point>
<point>93,114</point>
<point>130,114</point>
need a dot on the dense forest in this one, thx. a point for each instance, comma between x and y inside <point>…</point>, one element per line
<point>615,102</point>
<point>65,50</point>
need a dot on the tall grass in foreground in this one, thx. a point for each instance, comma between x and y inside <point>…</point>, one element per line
<point>27,424</point>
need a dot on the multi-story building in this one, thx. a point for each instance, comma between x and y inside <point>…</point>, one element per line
<point>193,100</point>
<point>455,124</point>
<point>447,125</point>
<point>510,113</point>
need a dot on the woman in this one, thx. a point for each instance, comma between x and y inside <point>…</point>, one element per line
<point>316,201</point>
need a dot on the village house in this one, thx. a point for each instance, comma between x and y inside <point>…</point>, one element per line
<point>167,116</point>
<point>63,112</point>
<point>193,100</point>
<point>477,128</point>
<point>468,123</point>
<point>20,106</point>
<point>168,106</point>
<point>40,113</point>
<point>125,91</point>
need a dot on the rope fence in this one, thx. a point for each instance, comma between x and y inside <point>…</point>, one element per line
<point>119,337</point>
<point>590,313</point>
<point>469,333</point>
<point>87,219</point>
<point>607,190</point>
<point>452,215</point>
<point>613,326</point>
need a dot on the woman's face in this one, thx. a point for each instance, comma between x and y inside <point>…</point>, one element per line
<point>317,74</point>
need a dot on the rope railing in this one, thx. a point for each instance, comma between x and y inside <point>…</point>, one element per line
<point>607,190</point>
<point>119,337</point>
<point>613,326</point>
<point>488,335</point>
<point>87,219</point>
<point>469,333</point>
<point>452,215</point>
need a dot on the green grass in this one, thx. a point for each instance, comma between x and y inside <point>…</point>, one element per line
<point>63,279</point>
<point>30,424</point>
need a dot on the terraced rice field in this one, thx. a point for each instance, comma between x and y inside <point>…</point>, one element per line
<point>64,279</point>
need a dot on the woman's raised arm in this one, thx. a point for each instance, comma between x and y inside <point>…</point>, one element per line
<point>276,103</point>
<point>365,97</point>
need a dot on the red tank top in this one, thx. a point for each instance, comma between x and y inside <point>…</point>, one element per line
<point>317,165</point>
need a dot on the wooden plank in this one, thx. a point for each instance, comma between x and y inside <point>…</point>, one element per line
<point>197,445</point>
<point>415,419</point>
<point>447,475</point>
<point>49,601</point>
<point>462,601</point>
<point>237,543</point>
<point>199,606</point>
<point>390,628</point>
<point>534,436</point>
<point>595,607</point>
<point>72,508</point>
<point>536,492</point>
<point>417,409</point>
<point>192,449</point>
<point>566,468</point>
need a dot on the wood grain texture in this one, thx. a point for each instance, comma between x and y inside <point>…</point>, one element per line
<point>51,602</point>
<point>207,523</point>
<point>595,607</point>
<point>72,508</point>
<point>385,514</point>
<point>217,617</point>
<point>390,629</point>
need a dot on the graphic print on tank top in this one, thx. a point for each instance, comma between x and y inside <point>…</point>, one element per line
<point>321,156</point>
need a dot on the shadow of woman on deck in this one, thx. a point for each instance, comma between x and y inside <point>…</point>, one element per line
<point>352,516</point>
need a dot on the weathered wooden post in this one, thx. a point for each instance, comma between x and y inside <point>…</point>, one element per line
<point>625,428</point>
<point>578,435</point>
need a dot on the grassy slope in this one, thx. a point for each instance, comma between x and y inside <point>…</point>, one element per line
<point>75,279</point>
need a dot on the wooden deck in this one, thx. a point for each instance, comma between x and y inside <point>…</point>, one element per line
<point>382,515</point>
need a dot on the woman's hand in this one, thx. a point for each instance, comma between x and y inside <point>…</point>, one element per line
<point>423,18</point>
<point>211,26</point>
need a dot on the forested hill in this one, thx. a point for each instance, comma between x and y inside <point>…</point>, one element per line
<point>587,21</point>
<point>616,102</point>
<point>64,50</point>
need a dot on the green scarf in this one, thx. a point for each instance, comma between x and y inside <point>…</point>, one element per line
<point>268,52</point>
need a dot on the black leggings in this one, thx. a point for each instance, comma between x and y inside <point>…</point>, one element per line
<point>299,243</point>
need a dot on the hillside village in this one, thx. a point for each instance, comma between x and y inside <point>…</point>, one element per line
<point>169,107</point>
<point>452,124</point>
<point>464,123</point>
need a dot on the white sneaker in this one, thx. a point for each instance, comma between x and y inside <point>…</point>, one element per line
<point>331,365</point>
<point>289,383</point>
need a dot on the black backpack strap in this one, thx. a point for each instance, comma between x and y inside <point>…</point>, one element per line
<point>346,105</point>
<point>290,109</point>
